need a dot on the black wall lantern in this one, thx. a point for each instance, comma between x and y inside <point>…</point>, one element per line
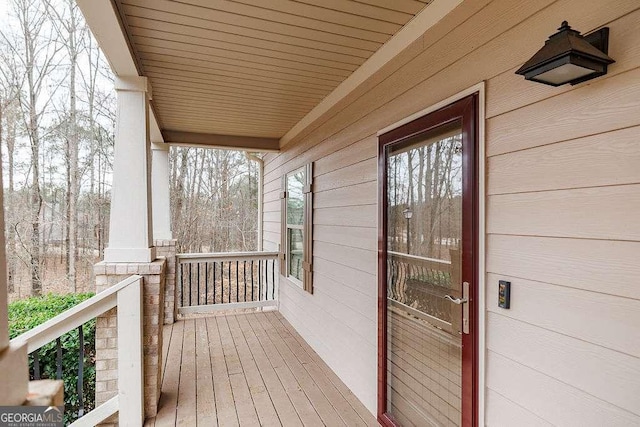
<point>568,57</point>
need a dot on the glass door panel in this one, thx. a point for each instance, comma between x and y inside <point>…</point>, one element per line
<point>424,286</point>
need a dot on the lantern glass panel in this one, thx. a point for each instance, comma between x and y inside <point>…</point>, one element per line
<point>563,74</point>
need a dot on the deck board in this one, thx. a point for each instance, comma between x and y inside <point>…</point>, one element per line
<point>171,378</point>
<point>186,410</point>
<point>206,401</point>
<point>245,408</point>
<point>262,401</point>
<point>246,370</point>
<point>301,402</point>
<point>287,414</point>
<point>225,406</point>
<point>355,403</point>
<point>348,414</point>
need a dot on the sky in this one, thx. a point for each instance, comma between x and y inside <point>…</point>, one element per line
<point>4,9</point>
<point>57,86</point>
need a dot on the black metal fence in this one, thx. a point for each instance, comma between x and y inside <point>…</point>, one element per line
<point>71,358</point>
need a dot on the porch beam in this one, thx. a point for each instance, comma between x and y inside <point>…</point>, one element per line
<point>212,140</point>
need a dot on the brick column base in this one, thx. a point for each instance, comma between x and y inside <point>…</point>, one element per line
<point>167,249</point>
<point>154,276</point>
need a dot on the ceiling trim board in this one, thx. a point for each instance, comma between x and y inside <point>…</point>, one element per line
<point>245,143</point>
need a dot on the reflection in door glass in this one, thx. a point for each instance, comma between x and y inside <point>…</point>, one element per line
<point>424,231</point>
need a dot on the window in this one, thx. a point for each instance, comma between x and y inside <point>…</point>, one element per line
<point>297,216</point>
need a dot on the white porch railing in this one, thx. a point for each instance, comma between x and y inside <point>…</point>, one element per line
<point>225,281</point>
<point>127,296</point>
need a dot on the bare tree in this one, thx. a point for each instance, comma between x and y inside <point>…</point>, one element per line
<point>10,85</point>
<point>37,56</point>
<point>69,28</point>
<point>214,200</point>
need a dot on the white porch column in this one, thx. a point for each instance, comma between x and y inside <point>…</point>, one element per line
<point>160,191</point>
<point>130,227</point>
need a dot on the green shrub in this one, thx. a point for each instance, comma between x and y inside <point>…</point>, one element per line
<point>31,312</point>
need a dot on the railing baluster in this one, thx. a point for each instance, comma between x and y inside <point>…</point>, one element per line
<point>190,285</point>
<point>266,280</point>
<point>214,282</point>
<point>259,280</point>
<point>273,280</point>
<point>252,281</point>
<point>229,281</point>
<point>392,279</point>
<point>221,282</point>
<point>398,280</point>
<point>244,274</point>
<point>237,282</point>
<point>80,371</point>
<point>182,285</point>
<point>198,277</point>
<point>265,283</point>
<point>206,283</point>
<point>58,359</point>
<point>36,364</point>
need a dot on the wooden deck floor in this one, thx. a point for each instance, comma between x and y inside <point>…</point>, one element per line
<point>249,370</point>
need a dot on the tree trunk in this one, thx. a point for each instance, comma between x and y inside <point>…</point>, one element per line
<point>410,196</point>
<point>179,194</point>
<point>36,196</point>
<point>9,202</point>
<point>73,150</point>
<point>419,222</point>
<point>2,119</point>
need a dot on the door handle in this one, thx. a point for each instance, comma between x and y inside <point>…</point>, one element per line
<point>456,300</point>
<point>464,301</point>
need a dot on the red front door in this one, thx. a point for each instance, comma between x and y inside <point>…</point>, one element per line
<point>428,269</point>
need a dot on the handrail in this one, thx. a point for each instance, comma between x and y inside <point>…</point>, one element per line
<point>432,263</point>
<point>225,256</point>
<point>72,318</point>
<point>98,415</point>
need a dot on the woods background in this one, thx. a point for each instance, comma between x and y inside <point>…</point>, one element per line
<point>57,118</point>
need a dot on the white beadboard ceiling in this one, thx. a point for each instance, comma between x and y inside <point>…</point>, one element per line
<point>253,67</point>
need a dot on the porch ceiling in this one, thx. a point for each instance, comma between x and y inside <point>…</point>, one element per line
<point>252,67</point>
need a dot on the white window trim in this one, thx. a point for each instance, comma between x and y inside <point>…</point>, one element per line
<point>307,230</point>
